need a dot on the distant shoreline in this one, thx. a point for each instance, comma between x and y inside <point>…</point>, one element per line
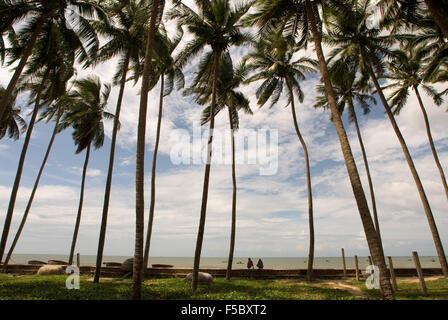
<point>238,262</point>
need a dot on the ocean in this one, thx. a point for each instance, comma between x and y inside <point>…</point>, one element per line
<point>239,262</point>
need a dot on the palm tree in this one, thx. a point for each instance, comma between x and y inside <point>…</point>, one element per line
<point>70,15</point>
<point>349,32</point>
<point>53,50</point>
<point>126,41</point>
<point>349,90</point>
<point>12,121</point>
<point>54,99</point>
<point>303,17</point>
<point>7,224</point>
<point>410,16</point>
<point>165,67</point>
<point>87,103</point>
<point>406,70</point>
<point>407,10</point>
<point>157,7</point>
<point>218,26</point>
<point>227,96</point>
<point>272,59</point>
<point>373,240</point>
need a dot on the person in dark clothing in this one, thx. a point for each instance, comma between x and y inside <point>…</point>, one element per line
<point>250,264</point>
<point>260,264</point>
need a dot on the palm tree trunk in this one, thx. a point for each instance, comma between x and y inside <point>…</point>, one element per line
<point>153,174</point>
<point>438,16</point>
<point>33,192</point>
<point>197,253</point>
<point>26,53</point>
<point>99,255</point>
<point>421,191</point>
<point>15,188</point>
<point>233,227</point>
<point>309,273</point>
<point>431,141</point>
<point>137,274</point>
<point>81,200</point>
<point>366,164</point>
<point>373,241</point>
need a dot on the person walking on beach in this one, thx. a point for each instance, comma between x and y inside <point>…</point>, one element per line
<point>260,264</point>
<point>250,264</point>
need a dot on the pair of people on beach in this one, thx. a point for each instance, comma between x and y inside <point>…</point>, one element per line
<point>250,264</point>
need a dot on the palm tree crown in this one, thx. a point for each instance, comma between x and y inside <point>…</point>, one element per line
<point>218,26</point>
<point>87,104</point>
<point>406,71</point>
<point>12,121</point>
<point>273,59</point>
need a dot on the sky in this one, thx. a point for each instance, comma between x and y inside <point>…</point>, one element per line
<point>272,216</point>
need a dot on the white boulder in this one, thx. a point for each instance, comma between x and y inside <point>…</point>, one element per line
<point>50,270</point>
<point>203,277</point>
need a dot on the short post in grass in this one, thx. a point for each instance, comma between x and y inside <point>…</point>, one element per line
<point>78,260</point>
<point>356,268</point>
<point>343,262</point>
<point>420,273</point>
<point>392,274</point>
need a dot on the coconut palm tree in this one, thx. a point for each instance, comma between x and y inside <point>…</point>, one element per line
<point>349,90</point>
<point>407,11</point>
<point>71,15</point>
<point>273,62</point>
<point>87,103</point>
<point>302,18</point>
<point>12,121</point>
<point>218,25</point>
<point>53,112</point>
<point>409,16</point>
<point>52,52</point>
<point>227,97</point>
<point>351,36</point>
<point>157,7</point>
<point>406,71</point>
<point>170,75</point>
<point>126,40</point>
<point>7,224</point>
<point>53,97</point>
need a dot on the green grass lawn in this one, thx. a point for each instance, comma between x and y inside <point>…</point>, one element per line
<point>437,290</point>
<point>53,287</point>
<point>33,287</point>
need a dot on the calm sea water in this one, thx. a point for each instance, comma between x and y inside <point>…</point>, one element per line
<point>221,263</point>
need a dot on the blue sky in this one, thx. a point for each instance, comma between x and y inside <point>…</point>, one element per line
<point>271,210</point>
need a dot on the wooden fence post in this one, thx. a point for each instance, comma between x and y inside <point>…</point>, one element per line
<point>343,262</point>
<point>356,268</point>
<point>392,274</point>
<point>420,273</point>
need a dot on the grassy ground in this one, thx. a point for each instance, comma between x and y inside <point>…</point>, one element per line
<point>53,287</point>
<point>409,289</point>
